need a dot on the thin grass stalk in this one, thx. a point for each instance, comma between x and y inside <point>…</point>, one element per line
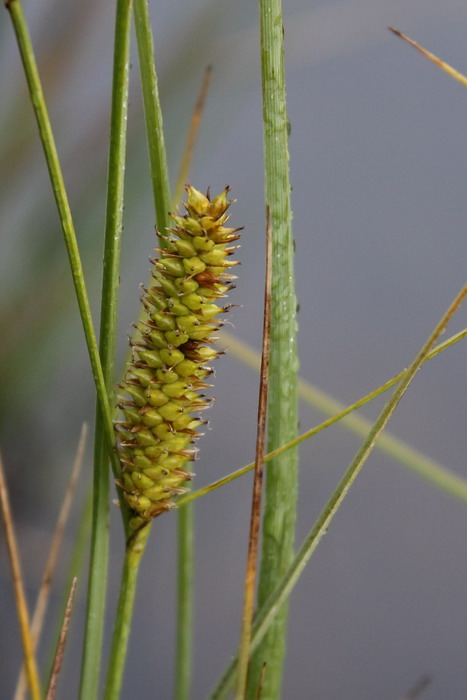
<point>133,554</point>
<point>52,558</point>
<point>58,186</point>
<point>416,691</point>
<point>460,77</point>
<point>439,476</point>
<point>76,564</point>
<point>97,582</point>
<point>250,577</point>
<point>281,475</point>
<point>192,136</point>
<point>410,458</point>
<point>184,623</point>
<point>266,615</point>
<point>434,473</point>
<point>30,662</point>
<point>153,115</point>
<point>57,666</point>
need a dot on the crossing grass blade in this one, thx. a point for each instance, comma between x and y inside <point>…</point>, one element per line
<point>265,617</point>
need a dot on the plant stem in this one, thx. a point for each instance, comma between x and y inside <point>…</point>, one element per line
<point>252,558</point>
<point>281,475</point>
<point>399,450</point>
<point>192,137</point>
<point>460,77</point>
<point>133,554</point>
<point>282,590</point>
<point>183,655</point>
<point>436,474</point>
<point>43,596</point>
<point>97,582</point>
<point>75,568</point>
<point>153,115</point>
<point>58,186</point>
<point>58,662</point>
<point>30,663</point>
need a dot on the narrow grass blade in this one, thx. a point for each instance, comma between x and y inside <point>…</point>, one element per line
<point>76,564</point>
<point>18,586</point>
<point>431,56</point>
<point>265,617</point>
<point>281,475</point>
<point>184,631</point>
<point>58,186</point>
<point>403,453</point>
<point>133,555</point>
<point>97,581</point>
<point>418,688</point>
<point>192,136</point>
<point>434,473</point>
<point>52,689</point>
<point>51,563</point>
<point>250,578</point>
<point>153,115</point>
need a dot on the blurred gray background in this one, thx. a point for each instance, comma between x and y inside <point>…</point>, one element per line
<point>378,166</point>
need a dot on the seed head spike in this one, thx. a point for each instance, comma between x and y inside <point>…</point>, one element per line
<point>165,378</point>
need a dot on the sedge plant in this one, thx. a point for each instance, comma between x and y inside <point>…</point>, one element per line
<point>162,394</point>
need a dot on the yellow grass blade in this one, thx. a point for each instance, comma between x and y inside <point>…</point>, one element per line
<point>18,585</point>
<point>49,569</point>
<point>431,56</point>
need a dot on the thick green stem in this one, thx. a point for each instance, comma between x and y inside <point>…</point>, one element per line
<point>281,474</point>
<point>133,555</point>
<point>97,583</point>
<point>183,658</point>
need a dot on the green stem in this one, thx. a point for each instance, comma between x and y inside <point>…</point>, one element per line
<point>411,459</point>
<point>58,186</point>
<point>97,582</point>
<point>133,555</point>
<point>268,612</point>
<point>183,659</point>
<point>153,115</point>
<point>281,474</point>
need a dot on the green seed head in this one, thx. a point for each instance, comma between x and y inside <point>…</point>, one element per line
<point>171,356</point>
